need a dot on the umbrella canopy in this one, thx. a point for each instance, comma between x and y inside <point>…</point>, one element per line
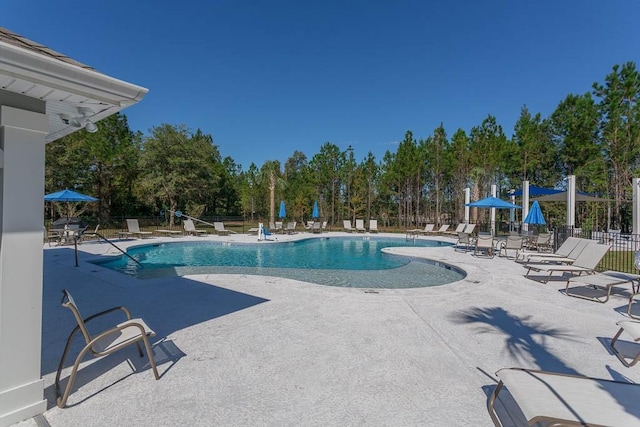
<point>561,196</point>
<point>492,202</point>
<point>535,215</point>
<point>283,210</point>
<point>68,196</point>
<point>315,213</point>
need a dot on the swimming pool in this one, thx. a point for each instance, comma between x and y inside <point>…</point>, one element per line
<point>336,261</point>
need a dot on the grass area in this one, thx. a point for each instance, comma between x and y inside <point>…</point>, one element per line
<point>619,261</point>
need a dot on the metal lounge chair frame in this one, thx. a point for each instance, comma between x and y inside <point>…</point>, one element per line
<point>360,226</point>
<point>190,228</point>
<point>346,225</point>
<point>121,335</point>
<point>598,287</point>
<point>221,231</point>
<point>134,229</point>
<point>556,399</point>
<point>373,226</point>
<point>513,243</point>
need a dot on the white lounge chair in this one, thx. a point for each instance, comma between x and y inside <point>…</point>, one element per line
<point>428,228</point>
<point>220,230</point>
<point>464,239</point>
<point>317,227</point>
<point>191,229</point>
<point>373,226</point>
<point>134,229</point>
<point>291,227</point>
<point>558,399</point>
<point>568,247</point>
<point>469,228</point>
<point>586,262</point>
<point>346,225</point>
<point>360,226</point>
<point>459,229</point>
<point>443,229</point>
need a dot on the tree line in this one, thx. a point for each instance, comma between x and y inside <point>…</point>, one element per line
<point>594,136</point>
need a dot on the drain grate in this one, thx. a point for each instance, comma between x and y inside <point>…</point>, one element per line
<point>371,291</point>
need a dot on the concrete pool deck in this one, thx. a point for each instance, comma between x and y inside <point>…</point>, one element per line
<point>251,350</point>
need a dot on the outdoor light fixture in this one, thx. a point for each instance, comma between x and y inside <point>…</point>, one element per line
<point>82,120</point>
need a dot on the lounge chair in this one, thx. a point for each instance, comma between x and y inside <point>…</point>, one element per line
<point>360,226</point>
<point>89,235</point>
<point>512,243</point>
<point>598,287</point>
<point>443,229</point>
<point>484,243</point>
<point>459,229</point>
<point>317,227</point>
<point>253,231</point>
<point>291,227</point>
<point>557,258</point>
<point>586,262</point>
<point>428,228</point>
<point>469,228</point>
<point>373,226</point>
<point>563,251</point>
<point>346,225</point>
<point>541,242</point>
<point>309,225</point>
<point>628,356</point>
<point>190,228</point>
<point>556,399</point>
<point>220,230</point>
<point>324,226</point>
<point>133,228</point>
<point>115,338</point>
<point>278,228</point>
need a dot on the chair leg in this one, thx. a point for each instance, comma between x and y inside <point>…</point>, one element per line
<point>152,361</point>
<point>620,356</point>
<point>62,400</point>
<point>491,405</point>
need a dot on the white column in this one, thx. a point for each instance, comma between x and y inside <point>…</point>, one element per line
<point>571,201</point>
<point>525,204</point>
<point>467,200</point>
<point>494,191</point>
<point>22,140</point>
<point>512,212</point>
<point>635,220</point>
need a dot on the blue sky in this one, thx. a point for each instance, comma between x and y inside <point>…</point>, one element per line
<point>266,78</point>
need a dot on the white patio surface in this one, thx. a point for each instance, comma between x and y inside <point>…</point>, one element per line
<point>241,350</point>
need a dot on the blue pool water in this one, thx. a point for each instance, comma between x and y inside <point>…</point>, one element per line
<point>336,261</point>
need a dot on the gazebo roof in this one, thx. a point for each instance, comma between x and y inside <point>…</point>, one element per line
<point>33,70</point>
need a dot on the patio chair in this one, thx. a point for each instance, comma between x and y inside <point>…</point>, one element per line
<point>324,226</point>
<point>117,337</point>
<point>484,243</point>
<point>220,230</point>
<point>134,229</point>
<point>360,226</point>
<point>512,243</point>
<point>464,239</point>
<point>443,229</point>
<point>317,227</point>
<point>346,225</point>
<point>373,226</point>
<point>469,228</point>
<point>309,225</point>
<point>552,398</point>
<point>557,257</point>
<point>190,228</point>
<point>586,262</point>
<point>278,228</point>
<point>628,356</point>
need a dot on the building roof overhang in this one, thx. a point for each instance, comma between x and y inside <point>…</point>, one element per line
<point>32,70</point>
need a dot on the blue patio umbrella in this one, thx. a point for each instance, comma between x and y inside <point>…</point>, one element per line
<point>492,202</point>
<point>68,196</point>
<point>315,213</point>
<point>283,210</point>
<point>535,215</point>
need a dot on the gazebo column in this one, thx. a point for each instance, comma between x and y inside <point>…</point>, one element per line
<point>467,200</point>
<point>22,140</point>
<point>571,202</point>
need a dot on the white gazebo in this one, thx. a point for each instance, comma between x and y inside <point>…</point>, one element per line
<point>44,95</point>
